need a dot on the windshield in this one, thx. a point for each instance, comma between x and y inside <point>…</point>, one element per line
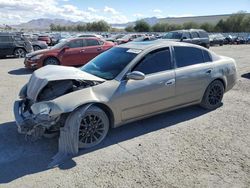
<point>172,35</point>
<point>60,45</point>
<point>110,63</point>
<point>126,37</point>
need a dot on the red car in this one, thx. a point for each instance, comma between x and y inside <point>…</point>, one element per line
<point>45,39</point>
<point>72,52</point>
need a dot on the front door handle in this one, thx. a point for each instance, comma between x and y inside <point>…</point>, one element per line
<point>170,82</point>
<point>82,51</point>
<point>99,49</point>
<point>209,71</point>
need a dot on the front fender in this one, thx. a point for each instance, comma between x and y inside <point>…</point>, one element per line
<point>71,101</point>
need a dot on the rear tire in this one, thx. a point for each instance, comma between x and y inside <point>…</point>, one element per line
<point>19,53</point>
<point>51,61</point>
<point>213,95</point>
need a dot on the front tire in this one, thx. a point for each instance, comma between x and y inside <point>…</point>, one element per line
<point>93,128</point>
<point>35,48</point>
<point>51,61</point>
<point>213,95</point>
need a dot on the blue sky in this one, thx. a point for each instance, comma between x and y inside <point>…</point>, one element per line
<point>113,11</point>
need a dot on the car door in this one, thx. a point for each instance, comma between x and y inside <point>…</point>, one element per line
<point>6,46</point>
<point>72,55</point>
<point>195,37</point>
<point>193,73</point>
<point>186,37</point>
<point>152,94</point>
<point>92,49</point>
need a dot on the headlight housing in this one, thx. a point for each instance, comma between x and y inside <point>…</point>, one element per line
<point>36,57</point>
<point>45,108</point>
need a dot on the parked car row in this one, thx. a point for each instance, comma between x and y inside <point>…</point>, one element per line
<point>220,39</point>
<point>41,41</point>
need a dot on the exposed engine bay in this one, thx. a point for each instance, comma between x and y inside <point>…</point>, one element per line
<point>56,89</point>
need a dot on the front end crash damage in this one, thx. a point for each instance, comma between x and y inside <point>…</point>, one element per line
<point>37,119</point>
<point>37,115</point>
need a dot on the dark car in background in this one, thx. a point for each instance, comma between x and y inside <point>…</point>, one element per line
<point>36,44</point>
<point>71,52</point>
<point>12,44</point>
<point>216,39</point>
<point>114,38</point>
<point>39,45</point>
<point>128,38</point>
<point>193,36</point>
<point>144,38</point>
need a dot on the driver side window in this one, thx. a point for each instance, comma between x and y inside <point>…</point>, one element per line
<point>76,43</point>
<point>156,61</point>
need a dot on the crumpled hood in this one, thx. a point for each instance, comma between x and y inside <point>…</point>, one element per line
<point>40,78</point>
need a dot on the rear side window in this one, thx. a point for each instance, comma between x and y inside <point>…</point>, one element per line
<point>156,61</point>
<point>92,42</point>
<point>186,35</point>
<point>4,38</point>
<point>203,34</point>
<point>76,43</point>
<point>206,56</point>
<point>194,35</point>
<point>186,56</point>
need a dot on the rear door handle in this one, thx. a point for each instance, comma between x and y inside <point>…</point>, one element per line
<point>82,51</point>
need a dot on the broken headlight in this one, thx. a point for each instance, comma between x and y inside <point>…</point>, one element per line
<point>45,108</point>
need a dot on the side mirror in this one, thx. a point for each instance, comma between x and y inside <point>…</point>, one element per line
<point>135,75</point>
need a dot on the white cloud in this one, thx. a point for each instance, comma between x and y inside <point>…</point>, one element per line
<point>110,10</point>
<point>138,15</point>
<point>17,11</point>
<point>157,11</point>
<point>90,9</point>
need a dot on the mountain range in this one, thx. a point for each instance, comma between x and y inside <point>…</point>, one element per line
<point>44,23</point>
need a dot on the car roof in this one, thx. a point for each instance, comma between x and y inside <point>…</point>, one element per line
<point>189,30</point>
<point>152,44</point>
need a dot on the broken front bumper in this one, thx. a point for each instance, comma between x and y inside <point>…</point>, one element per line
<point>18,115</point>
<point>26,120</point>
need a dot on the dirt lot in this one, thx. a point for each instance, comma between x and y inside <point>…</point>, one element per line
<point>190,147</point>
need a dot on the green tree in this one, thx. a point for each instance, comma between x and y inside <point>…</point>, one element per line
<point>160,27</point>
<point>129,28</point>
<point>190,25</point>
<point>142,26</point>
<point>207,27</point>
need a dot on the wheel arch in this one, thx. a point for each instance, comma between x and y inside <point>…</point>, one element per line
<point>102,106</point>
<point>222,80</point>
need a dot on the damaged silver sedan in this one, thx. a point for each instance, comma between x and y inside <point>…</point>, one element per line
<point>124,84</point>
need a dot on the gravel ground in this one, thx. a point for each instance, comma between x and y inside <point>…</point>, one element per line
<point>190,147</point>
